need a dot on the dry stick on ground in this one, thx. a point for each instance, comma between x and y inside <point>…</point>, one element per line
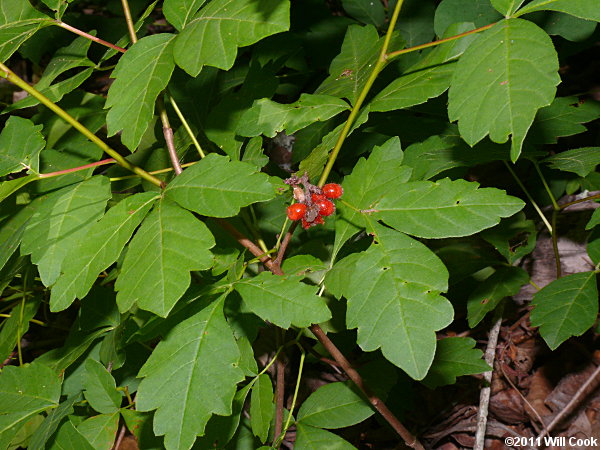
<point>590,385</point>
<point>409,439</point>
<point>484,395</point>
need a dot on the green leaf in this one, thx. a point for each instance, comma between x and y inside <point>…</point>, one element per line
<point>282,300</point>
<point>141,74</point>
<point>507,7</point>
<point>566,307</point>
<point>261,407</point>
<point>393,300</point>
<point>179,12</point>
<point>505,282</point>
<point>268,117</point>
<point>218,187</point>
<point>500,82</point>
<point>105,241</point>
<point>594,220</point>
<point>68,438</point>
<point>349,71</point>
<point>334,405</point>
<point>14,327</point>
<point>362,190</point>
<point>445,208</point>
<point>581,161</point>
<point>100,388</point>
<point>366,12</point>
<point>25,391</point>
<point>478,12</point>
<point>454,357</point>
<point>311,438</point>
<point>514,237</point>
<point>101,430</point>
<point>428,78</point>
<point>61,221</point>
<point>140,425</point>
<point>11,186</point>
<point>18,22</point>
<point>156,271</point>
<point>254,154</point>
<point>52,421</point>
<point>564,25</point>
<point>213,36</point>
<point>20,145</point>
<point>12,231</point>
<point>562,118</point>
<point>191,375</point>
<point>585,9</point>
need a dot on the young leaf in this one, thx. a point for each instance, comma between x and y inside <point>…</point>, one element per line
<point>105,241</point>
<point>179,12</point>
<point>18,22</point>
<point>500,82</point>
<point>426,79</point>
<point>445,208</point>
<point>100,431</point>
<point>506,281</point>
<point>585,9</point>
<point>20,145</point>
<point>212,37</point>
<point>61,221</point>
<point>25,391</point>
<point>268,117</point>
<point>283,301</point>
<point>334,405</point>
<point>393,300</point>
<point>566,307</point>
<point>261,407</point>
<point>366,12</point>
<point>218,187</point>
<point>156,271</point>
<point>100,388</point>
<point>141,74</point>
<point>454,357</point>
<point>581,161</point>
<point>191,375</point>
<point>350,70</point>
<point>478,12</point>
<point>311,438</point>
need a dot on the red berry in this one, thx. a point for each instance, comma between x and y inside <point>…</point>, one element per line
<point>326,207</point>
<point>318,197</point>
<point>296,211</point>
<point>318,221</point>
<point>332,190</point>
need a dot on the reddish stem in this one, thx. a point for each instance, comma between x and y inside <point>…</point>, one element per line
<point>89,36</point>
<point>76,169</point>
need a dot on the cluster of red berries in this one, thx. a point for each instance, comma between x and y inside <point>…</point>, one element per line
<point>313,203</point>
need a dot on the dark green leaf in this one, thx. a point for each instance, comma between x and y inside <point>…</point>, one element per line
<point>100,431</point>
<point>15,326</point>
<point>68,438</point>
<point>262,407</point>
<point>454,356</point>
<point>179,12</point>
<point>12,231</point>
<point>11,186</point>
<point>581,161</point>
<point>566,307</point>
<point>18,22</point>
<point>371,12</point>
<point>479,12</point>
<point>20,145</point>
<point>507,7</point>
<point>501,81</point>
<point>50,424</point>
<point>514,237</point>
<point>311,438</point>
<point>585,9</point>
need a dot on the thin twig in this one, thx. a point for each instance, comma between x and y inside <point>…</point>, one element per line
<point>581,200</point>
<point>168,134</point>
<point>555,244</point>
<point>484,395</point>
<point>279,388</point>
<point>590,384</point>
<point>286,240</point>
<point>89,36</point>
<point>129,20</point>
<point>120,438</point>
<point>76,169</point>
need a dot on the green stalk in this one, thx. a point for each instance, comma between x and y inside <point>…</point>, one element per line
<point>8,74</point>
<point>379,65</point>
<point>186,126</point>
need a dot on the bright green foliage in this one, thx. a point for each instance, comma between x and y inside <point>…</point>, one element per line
<point>218,187</point>
<point>426,79</point>
<point>212,37</point>
<point>506,281</point>
<point>141,74</point>
<point>24,392</point>
<point>61,221</point>
<point>581,161</point>
<point>507,7</point>
<point>52,421</point>
<point>268,117</point>
<point>501,81</point>
<point>478,12</point>
<point>104,243</point>
<point>156,271</point>
<point>191,375</point>
<point>14,327</point>
<point>18,22</point>
<point>68,438</point>
<point>179,12</point>
<point>261,407</point>
<point>454,356</point>
<point>311,438</point>
<point>100,431</point>
<point>20,145</point>
<point>400,279</point>
<point>334,405</point>
<point>445,208</point>
<point>100,388</point>
<point>594,220</point>
<point>283,301</point>
<point>367,12</point>
<point>585,9</point>
<point>566,307</point>
<point>350,70</point>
